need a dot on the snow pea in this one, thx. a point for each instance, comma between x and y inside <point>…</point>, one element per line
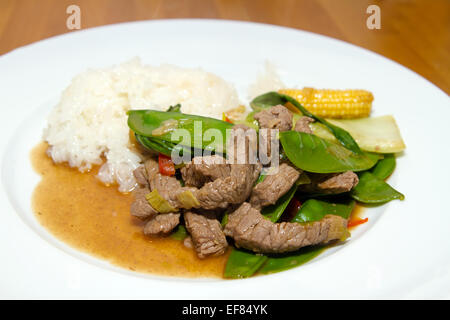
<point>242,263</point>
<point>143,122</point>
<point>313,154</point>
<point>384,167</point>
<point>180,233</point>
<point>373,190</point>
<point>311,210</point>
<point>291,260</point>
<point>270,99</point>
<point>160,146</point>
<point>315,210</point>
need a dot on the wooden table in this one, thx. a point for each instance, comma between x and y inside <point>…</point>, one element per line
<point>415,33</point>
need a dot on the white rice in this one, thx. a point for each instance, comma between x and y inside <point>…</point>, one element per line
<point>268,80</point>
<point>90,120</point>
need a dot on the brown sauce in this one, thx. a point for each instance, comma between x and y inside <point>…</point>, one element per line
<point>79,210</point>
<point>84,213</point>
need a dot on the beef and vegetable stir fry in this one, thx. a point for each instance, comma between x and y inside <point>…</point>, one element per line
<point>214,204</point>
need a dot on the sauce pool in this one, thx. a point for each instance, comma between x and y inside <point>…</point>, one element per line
<point>84,213</point>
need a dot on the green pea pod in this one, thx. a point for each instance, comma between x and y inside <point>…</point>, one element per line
<point>384,167</point>
<point>180,233</point>
<point>311,210</point>
<point>313,154</point>
<point>242,263</point>
<point>292,260</point>
<point>315,210</point>
<point>160,146</point>
<point>373,190</point>
<point>274,98</point>
<point>144,122</point>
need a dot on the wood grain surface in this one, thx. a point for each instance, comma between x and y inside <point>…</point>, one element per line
<point>415,33</point>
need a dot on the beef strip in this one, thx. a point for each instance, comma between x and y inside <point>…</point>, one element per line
<point>162,224</point>
<point>140,207</point>
<point>273,186</point>
<point>331,183</point>
<point>151,167</point>
<point>204,169</point>
<point>141,176</point>
<point>168,187</point>
<point>302,124</point>
<point>276,117</point>
<point>252,231</point>
<point>206,233</point>
<point>237,186</point>
<point>233,189</point>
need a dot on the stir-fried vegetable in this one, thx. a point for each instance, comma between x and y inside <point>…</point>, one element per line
<point>315,210</point>
<point>180,233</point>
<point>330,103</point>
<point>242,263</point>
<point>274,98</point>
<point>373,190</point>
<point>374,134</point>
<point>159,203</point>
<point>166,166</point>
<point>144,122</point>
<point>311,153</point>
<point>384,167</point>
<point>334,147</point>
<point>356,222</point>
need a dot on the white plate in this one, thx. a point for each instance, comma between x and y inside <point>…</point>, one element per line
<point>404,250</point>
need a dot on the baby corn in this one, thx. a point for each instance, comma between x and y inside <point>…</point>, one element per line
<point>338,104</point>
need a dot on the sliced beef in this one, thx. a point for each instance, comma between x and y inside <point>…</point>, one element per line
<point>140,207</point>
<point>151,167</point>
<point>162,224</point>
<point>146,171</point>
<point>141,176</point>
<point>204,169</point>
<point>234,189</point>
<point>242,145</point>
<point>168,187</point>
<point>276,117</point>
<point>252,231</point>
<point>331,183</point>
<point>206,233</point>
<point>302,124</point>
<point>273,186</point>
<point>244,170</point>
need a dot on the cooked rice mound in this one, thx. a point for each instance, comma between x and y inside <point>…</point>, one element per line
<point>89,124</point>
